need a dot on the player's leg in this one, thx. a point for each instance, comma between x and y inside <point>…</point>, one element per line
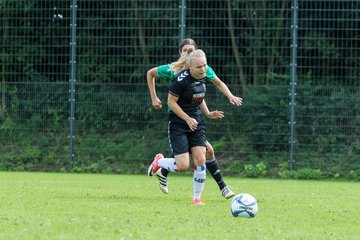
<point>161,166</point>
<point>197,143</point>
<point>198,155</point>
<point>213,168</point>
<point>178,164</point>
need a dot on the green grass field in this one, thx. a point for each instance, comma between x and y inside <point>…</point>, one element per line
<point>94,206</point>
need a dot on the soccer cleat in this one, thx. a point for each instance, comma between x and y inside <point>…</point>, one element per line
<point>154,167</point>
<point>163,181</point>
<point>227,193</point>
<point>198,201</point>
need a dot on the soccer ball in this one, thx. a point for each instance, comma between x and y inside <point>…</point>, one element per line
<point>244,205</point>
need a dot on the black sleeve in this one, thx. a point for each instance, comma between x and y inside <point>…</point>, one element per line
<point>177,85</point>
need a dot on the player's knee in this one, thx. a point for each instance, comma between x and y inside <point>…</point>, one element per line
<point>182,167</point>
<point>209,153</point>
<point>182,162</point>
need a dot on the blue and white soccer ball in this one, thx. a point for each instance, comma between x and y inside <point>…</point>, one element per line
<point>244,205</point>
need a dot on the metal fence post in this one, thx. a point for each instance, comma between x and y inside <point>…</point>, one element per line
<point>293,65</point>
<point>72,80</point>
<point>182,25</point>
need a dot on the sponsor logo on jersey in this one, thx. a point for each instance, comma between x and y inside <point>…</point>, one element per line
<point>198,98</point>
<point>198,95</point>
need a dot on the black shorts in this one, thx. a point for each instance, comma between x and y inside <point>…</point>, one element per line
<point>182,139</point>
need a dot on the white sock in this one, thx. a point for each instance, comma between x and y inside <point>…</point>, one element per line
<point>199,181</point>
<point>168,163</point>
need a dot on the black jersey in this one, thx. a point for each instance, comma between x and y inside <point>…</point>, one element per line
<point>191,93</point>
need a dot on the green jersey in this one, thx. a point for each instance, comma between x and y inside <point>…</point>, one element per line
<point>166,73</point>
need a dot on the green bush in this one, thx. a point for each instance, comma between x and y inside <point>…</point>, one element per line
<point>308,173</point>
<point>353,174</point>
<point>247,142</point>
<point>254,171</point>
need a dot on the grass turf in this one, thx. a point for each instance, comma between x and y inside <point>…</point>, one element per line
<point>94,206</point>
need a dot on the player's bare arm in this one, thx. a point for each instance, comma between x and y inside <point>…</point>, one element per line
<point>210,114</point>
<point>237,101</point>
<point>172,102</point>
<point>151,75</point>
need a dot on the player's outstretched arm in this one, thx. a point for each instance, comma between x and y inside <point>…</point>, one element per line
<point>237,101</point>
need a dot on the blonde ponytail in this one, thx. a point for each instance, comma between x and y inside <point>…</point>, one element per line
<point>181,63</point>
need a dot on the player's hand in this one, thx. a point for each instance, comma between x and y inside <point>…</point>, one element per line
<point>192,123</point>
<point>215,114</point>
<point>237,101</point>
<point>156,103</point>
